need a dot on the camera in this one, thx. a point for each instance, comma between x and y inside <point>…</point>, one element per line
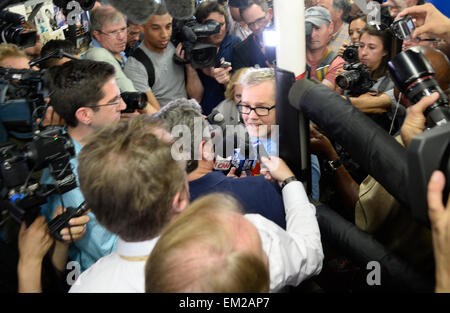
<point>50,148</point>
<point>413,74</point>
<point>190,33</point>
<point>350,54</point>
<point>356,79</point>
<point>403,27</point>
<point>12,31</point>
<point>134,101</point>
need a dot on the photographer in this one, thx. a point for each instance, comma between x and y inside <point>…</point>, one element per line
<point>215,79</point>
<point>357,23</point>
<point>26,267</point>
<point>374,51</point>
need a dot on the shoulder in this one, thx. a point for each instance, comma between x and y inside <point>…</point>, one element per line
<point>244,44</point>
<point>94,53</point>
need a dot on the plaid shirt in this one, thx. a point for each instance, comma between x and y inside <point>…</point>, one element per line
<point>340,37</point>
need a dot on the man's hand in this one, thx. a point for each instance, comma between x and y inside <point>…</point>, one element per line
<point>321,145</point>
<point>220,74</point>
<point>34,241</point>
<point>232,173</point>
<point>414,123</point>
<point>428,20</point>
<point>277,168</point>
<point>440,226</point>
<point>78,227</point>
<point>52,118</point>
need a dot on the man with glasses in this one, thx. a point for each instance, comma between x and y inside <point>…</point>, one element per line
<point>109,39</point>
<point>215,79</point>
<point>252,52</point>
<point>258,110</point>
<point>133,38</point>
<point>85,94</point>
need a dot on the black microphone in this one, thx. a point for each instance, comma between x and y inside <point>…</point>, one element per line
<point>139,11</point>
<point>379,154</point>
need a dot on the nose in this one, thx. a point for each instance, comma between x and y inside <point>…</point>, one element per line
<point>122,105</point>
<point>252,115</point>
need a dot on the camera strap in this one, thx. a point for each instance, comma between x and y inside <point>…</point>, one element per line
<point>142,57</point>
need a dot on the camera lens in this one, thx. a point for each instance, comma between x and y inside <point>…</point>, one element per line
<point>134,101</point>
<point>348,79</point>
<point>414,76</point>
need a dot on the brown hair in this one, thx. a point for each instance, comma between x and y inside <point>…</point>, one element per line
<point>129,178</point>
<point>8,50</point>
<point>197,253</point>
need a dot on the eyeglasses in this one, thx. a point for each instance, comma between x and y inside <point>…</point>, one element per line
<point>258,22</point>
<point>115,33</point>
<point>260,111</point>
<point>116,102</point>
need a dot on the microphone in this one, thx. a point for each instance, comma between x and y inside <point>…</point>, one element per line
<point>139,11</point>
<point>379,154</point>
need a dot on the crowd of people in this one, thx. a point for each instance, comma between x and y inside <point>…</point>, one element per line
<point>161,217</point>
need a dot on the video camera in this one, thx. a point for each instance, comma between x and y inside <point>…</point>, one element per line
<point>190,33</point>
<point>50,148</point>
<point>356,79</point>
<point>414,76</point>
<point>12,31</point>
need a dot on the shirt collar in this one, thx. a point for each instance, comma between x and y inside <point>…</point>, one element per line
<point>96,44</point>
<point>134,249</point>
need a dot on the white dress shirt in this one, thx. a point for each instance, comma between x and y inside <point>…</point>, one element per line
<point>294,254</point>
<point>122,271</point>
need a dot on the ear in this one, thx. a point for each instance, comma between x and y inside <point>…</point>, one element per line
<point>181,200</point>
<point>270,12</point>
<point>95,34</point>
<point>84,115</point>
<point>330,28</point>
<point>207,151</point>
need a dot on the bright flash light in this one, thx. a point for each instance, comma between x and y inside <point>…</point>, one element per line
<point>271,38</point>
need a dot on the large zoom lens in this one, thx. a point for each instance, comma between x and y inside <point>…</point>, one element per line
<point>134,101</point>
<point>348,80</point>
<point>414,76</point>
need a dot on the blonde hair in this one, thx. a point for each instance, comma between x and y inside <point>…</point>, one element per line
<point>197,253</point>
<point>234,80</point>
<point>8,50</point>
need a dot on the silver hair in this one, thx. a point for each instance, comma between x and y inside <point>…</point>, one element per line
<point>256,76</point>
<point>105,14</point>
<point>184,112</point>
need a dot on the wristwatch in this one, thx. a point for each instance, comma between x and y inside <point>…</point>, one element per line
<point>334,165</point>
<point>288,180</point>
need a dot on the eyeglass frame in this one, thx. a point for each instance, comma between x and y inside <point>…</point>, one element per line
<point>241,105</point>
<point>258,22</point>
<point>117,102</point>
<point>115,33</point>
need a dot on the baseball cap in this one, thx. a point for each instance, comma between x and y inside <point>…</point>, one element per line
<point>316,16</point>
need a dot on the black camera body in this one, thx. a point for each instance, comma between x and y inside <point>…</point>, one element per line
<point>357,79</point>
<point>61,221</point>
<point>50,148</point>
<point>350,54</point>
<point>134,101</point>
<point>12,31</point>
<point>191,34</point>
<point>403,27</point>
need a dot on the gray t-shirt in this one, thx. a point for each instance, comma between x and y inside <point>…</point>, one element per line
<point>169,77</point>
